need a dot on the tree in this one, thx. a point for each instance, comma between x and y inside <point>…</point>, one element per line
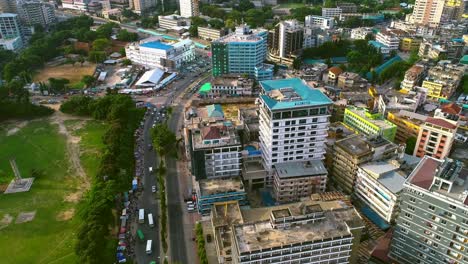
<point>297,63</point>
<point>58,85</point>
<point>216,23</point>
<point>124,35</point>
<point>245,5</point>
<point>101,44</point>
<point>164,140</point>
<point>97,56</point>
<point>410,145</point>
<point>230,23</point>
<point>126,62</point>
<point>329,3</point>
<point>88,80</point>
<point>193,30</point>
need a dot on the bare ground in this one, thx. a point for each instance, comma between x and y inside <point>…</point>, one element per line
<point>66,215</point>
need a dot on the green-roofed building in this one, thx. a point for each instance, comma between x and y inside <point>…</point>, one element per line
<point>294,120</point>
<point>464,60</point>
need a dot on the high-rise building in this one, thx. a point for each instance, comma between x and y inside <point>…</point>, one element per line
<point>319,21</point>
<point>435,138</point>
<point>11,35</point>
<point>428,12</point>
<point>294,120</point>
<point>453,10</point>
<point>432,226</point>
<point>141,6</point>
<point>189,8</point>
<point>241,52</point>
<point>8,6</point>
<point>285,40</point>
<point>34,12</point>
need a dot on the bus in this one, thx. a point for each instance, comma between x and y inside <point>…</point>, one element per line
<point>141,216</point>
<point>140,235</point>
<point>148,247</point>
<point>150,220</point>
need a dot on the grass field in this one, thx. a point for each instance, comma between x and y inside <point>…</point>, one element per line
<point>50,237</point>
<point>67,71</point>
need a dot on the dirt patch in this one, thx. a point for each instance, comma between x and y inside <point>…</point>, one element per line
<point>25,217</point>
<point>67,71</point>
<point>66,215</point>
<point>6,220</point>
<point>18,126</point>
<point>73,197</point>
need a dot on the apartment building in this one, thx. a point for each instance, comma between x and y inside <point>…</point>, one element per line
<point>435,138</point>
<point>295,180</point>
<point>349,153</point>
<point>427,12</point>
<point>347,7</point>
<point>368,123</point>
<point>379,184</point>
<point>212,191</point>
<point>189,8</point>
<point>142,6</point>
<point>443,79</point>
<point>413,77</point>
<point>154,53</point>
<point>388,39</point>
<point>241,52</point>
<point>408,124</point>
<point>319,21</point>
<point>432,226</point>
<point>208,33</point>
<point>409,44</point>
<point>453,10</point>
<point>11,35</point>
<point>446,48</point>
<point>308,232</point>
<point>360,32</point>
<point>8,6</point>
<point>331,12</point>
<point>294,120</point>
<point>333,74</point>
<point>285,41</point>
<point>351,81</point>
<point>33,12</point>
<point>230,86</point>
<point>173,21</point>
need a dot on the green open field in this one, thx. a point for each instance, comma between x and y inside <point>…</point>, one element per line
<point>50,236</point>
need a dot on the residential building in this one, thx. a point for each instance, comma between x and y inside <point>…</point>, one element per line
<point>11,35</point>
<point>248,118</point>
<point>427,12</point>
<point>253,173</point>
<point>408,44</point>
<point>153,53</point>
<point>393,102</point>
<point>380,47</point>
<point>215,150</point>
<point>263,72</point>
<point>347,7</point>
<point>437,49</point>
<point>173,21</point>
<point>295,180</point>
<point>231,86</point>
<point>212,191</point>
<point>189,8</point>
<point>435,138</point>
<point>379,184</point>
<point>432,226</point>
<point>450,111</point>
<point>453,10</point>
<point>319,21</point>
<point>360,32</point>
<point>408,124</point>
<point>388,39</point>
<point>208,33</point>
<point>309,73</point>
<point>8,6</point>
<point>349,153</point>
<point>413,77</point>
<point>369,123</point>
<point>311,37</point>
<point>142,6</point>
<point>293,122</point>
<point>351,81</point>
<point>309,231</point>
<point>333,74</point>
<point>240,52</point>
<point>443,79</point>
<point>333,12</point>
<point>285,40</point>
<point>34,12</point>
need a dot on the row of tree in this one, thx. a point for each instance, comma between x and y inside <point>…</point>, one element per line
<point>94,241</point>
<point>200,239</point>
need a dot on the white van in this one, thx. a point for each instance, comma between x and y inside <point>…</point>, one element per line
<point>141,216</point>
<point>150,220</point>
<point>149,246</point>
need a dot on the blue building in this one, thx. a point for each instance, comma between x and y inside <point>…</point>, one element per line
<point>213,191</point>
<point>241,52</point>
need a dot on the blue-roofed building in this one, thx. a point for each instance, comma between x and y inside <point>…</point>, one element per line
<point>154,53</point>
<point>293,122</point>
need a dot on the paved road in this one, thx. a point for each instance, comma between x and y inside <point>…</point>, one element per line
<point>148,202</point>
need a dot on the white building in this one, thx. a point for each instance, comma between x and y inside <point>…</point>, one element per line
<point>189,8</point>
<point>173,21</point>
<point>81,5</point>
<point>13,44</point>
<point>11,34</point>
<point>388,39</point>
<point>360,33</point>
<point>153,53</point>
<point>293,122</point>
<point>210,33</point>
<point>319,21</point>
<point>331,12</point>
<point>427,12</point>
<point>378,184</point>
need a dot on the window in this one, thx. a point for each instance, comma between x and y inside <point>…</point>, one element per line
<point>277,116</point>
<point>275,124</point>
<point>286,115</point>
<point>443,221</point>
<point>300,113</point>
<point>431,207</point>
<point>453,207</point>
<point>302,121</point>
<point>411,208</point>
<point>275,137</point>
<point>409,216</point>
<point>274,149</point>
<point>323,110</point>
<point>437,237</point>
<point>412,199</point>
<point>288,123</point>
<point>275,130</point>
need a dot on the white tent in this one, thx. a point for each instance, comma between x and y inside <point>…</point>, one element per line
<point>150,78</point>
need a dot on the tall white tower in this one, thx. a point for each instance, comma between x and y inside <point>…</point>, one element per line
<point>189,8</point>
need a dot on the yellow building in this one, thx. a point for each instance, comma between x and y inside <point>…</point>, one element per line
<point>410,43</point>
<point>408,124</point>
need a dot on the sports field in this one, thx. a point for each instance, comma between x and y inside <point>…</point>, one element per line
<point>67,71</point>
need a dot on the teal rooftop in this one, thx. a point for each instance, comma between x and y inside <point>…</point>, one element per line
<point>291,93</point>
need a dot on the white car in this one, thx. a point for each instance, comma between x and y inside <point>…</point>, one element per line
<point>150,169</point>
<point>153,188</point>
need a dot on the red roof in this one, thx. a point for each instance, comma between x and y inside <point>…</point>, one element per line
<point>335,70</point>
<point>451,108</point>
<point>441,122</point>
<point>425,172</point>
<point>211,132</point>
<point>383,247</point>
